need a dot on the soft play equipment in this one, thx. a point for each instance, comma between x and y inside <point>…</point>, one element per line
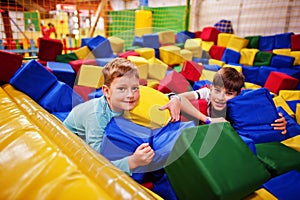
<point>49,49</point>
<point>293,142</point>
<point>66,58</point>
<point>27,77</point>
<point>10,63</point>
<point>122,137</point>
<point>174,82</point>
<point>292,98</point>
<point>63,71</point>
<point>100,47</point>
<point>285,186</point>
<point>42,86</point>
<point>147,112</point>
<point>231,56</point>
<point>90,76</point>
<point>252,113</point>
<point>191,70</point>
<point>212,162</point>
<point>41,159</point>
<point>278,158</point>
<point>277,81</point>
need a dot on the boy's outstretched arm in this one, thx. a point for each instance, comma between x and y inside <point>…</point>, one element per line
<point>280,124</point>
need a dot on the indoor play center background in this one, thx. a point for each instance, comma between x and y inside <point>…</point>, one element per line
<point>178,46</point>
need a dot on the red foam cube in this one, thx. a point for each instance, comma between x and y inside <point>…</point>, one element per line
<point>10,63</point>
<point>198,34</point>
<point>277,81</point>
<point>216,52</point>
<point>49,49</point>
<point>191,70</point>
<point>174,82</point>
<point>295,42</point>
<point>76,64</point>
<point>128,53</point>
<point>210,34</point>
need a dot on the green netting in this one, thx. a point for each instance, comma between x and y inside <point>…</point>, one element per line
<point>122,23</point>
<point>172,18</point>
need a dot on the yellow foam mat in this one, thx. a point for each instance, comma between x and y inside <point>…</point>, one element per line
<point>41,159</point>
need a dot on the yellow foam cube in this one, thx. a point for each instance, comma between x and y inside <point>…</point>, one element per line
<point>261,194</point>
<point>143,22</point>
<point>117,44</point>
<point>207,75</point>
<point>223,39</point>
<point>146,52</point>
<point>194,45</point>
<point>296,55</point>
<point>290,95</point>
<point>237,43</point>
<point>248,56</point>
<point>82,53</point>
<point>167,37</point>
<point>216,62</point>
<point>157,69</point>
<point>206,45</point>
<point>279,101</point>
<point>293,142</point>
<point>142,65</point>
<point>285,52</point>
<point>186,54</point>
<point>238,68</point>
<point>171,55</point>
<point>298,113</point>
<point>249,85</point>
<point>147,112</point>
<point>152,83</point>
<point>91,76</point>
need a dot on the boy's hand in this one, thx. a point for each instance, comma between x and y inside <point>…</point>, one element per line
<point>280,124</point>
<point>174,107</point>
<point>142,156</point>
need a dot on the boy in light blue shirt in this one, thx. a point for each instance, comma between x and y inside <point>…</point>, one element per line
<point>120,92</point>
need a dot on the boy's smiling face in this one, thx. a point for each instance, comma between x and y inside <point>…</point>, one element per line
<point>123,93</point>
<point>219,97</point>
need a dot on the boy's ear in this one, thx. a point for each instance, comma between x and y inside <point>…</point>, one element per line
<point>105,90</point>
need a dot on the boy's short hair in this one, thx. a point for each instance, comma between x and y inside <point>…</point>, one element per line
<point>230,79</point>
<point>119,67</point>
